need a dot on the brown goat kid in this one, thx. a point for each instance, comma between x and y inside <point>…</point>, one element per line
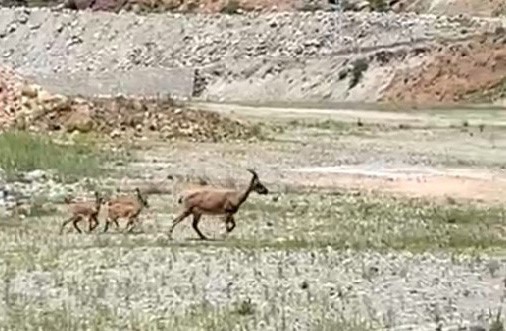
<point>215,201</point>
<point>126,207</point>
<point>84,210</point>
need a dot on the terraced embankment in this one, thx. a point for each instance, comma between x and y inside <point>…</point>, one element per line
<point>273,57</point>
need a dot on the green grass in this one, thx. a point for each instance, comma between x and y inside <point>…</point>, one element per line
<point>22,151</point>
<point>305,221</point>
<point>371,222</point>
<point>313,221</point>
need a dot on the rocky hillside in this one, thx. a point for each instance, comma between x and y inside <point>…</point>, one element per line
<point>456,7</point>
<point>290,56</point>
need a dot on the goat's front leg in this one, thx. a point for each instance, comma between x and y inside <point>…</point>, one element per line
<point>195,224</point>
<point>131,222</point>
<point>95,222</point>
<point>229,223</point>
<point>77,219</point>
<point>108,222</point>
<point>178,220</point>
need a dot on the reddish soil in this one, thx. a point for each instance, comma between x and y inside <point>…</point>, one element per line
<point>470,7</point>
<point>456,7</point>
<point>443,188</point>
<point>455,73</point>
<point>211,6</point>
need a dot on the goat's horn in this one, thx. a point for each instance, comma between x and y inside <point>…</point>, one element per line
<point>253,172</point>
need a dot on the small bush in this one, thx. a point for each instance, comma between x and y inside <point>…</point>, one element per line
<point>21,151</point>
<point>378,5</point>
<point>231,7</point>
<point>245,307</point>
<point>357,71</point>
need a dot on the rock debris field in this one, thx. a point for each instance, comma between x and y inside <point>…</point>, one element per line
<point>324,250</point>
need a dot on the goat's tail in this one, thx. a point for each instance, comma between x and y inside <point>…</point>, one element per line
<point>180,199</point>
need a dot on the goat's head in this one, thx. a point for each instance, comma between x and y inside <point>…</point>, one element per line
<point>256,185</point>
<point>142,199</point>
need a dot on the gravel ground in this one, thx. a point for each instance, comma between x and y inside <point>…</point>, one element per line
<point>401,291</point>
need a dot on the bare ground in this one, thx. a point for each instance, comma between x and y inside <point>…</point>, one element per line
<point>457,73</point>
<point>436,155</point>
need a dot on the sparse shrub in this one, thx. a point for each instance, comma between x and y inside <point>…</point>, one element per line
<point>245,307</point>
<point>496,324</point>
<point>342,74</point>
<point>231,7</point>
<point>493,266</point>
<point>378,5</point>
<point>310,6</point>
<point>357,71</point>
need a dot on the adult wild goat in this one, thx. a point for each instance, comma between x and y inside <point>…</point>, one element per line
<point>208,200</point>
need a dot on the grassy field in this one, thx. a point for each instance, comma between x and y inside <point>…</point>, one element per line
<point>300,258</point>
<point>283,259</point>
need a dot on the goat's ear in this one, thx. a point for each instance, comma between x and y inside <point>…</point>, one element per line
<point>253,172</point>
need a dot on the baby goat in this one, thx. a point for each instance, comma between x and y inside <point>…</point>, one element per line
<point>126,207</point>
<point>215,201</point>
<point>81,210</point>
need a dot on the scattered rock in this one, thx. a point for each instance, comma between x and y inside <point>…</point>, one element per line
<point>30,91</point>
<point>35,175</point>
<point>80,120</point>
<point>115,133</point>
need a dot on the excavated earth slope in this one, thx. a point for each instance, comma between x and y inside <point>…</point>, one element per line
<point>291,56</point>
<point>471,71</point>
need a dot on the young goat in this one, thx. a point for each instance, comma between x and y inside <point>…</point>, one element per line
<point>84,210</point>
<point>215,201</point>
<point>125,207</point>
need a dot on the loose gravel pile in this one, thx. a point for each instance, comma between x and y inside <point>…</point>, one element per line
<point>28,106</point>
<point>167,119</point>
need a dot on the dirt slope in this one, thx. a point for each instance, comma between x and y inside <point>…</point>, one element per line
<point>455,7</point>
<point>474,71</point>
<point>439,7</point>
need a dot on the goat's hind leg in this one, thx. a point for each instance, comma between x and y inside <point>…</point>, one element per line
<point>178,220</point>
<point>110,220</point>
<point>77,219</point>
<point>131,222</point>
<point>229,223</point>
<point>195,225</point>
